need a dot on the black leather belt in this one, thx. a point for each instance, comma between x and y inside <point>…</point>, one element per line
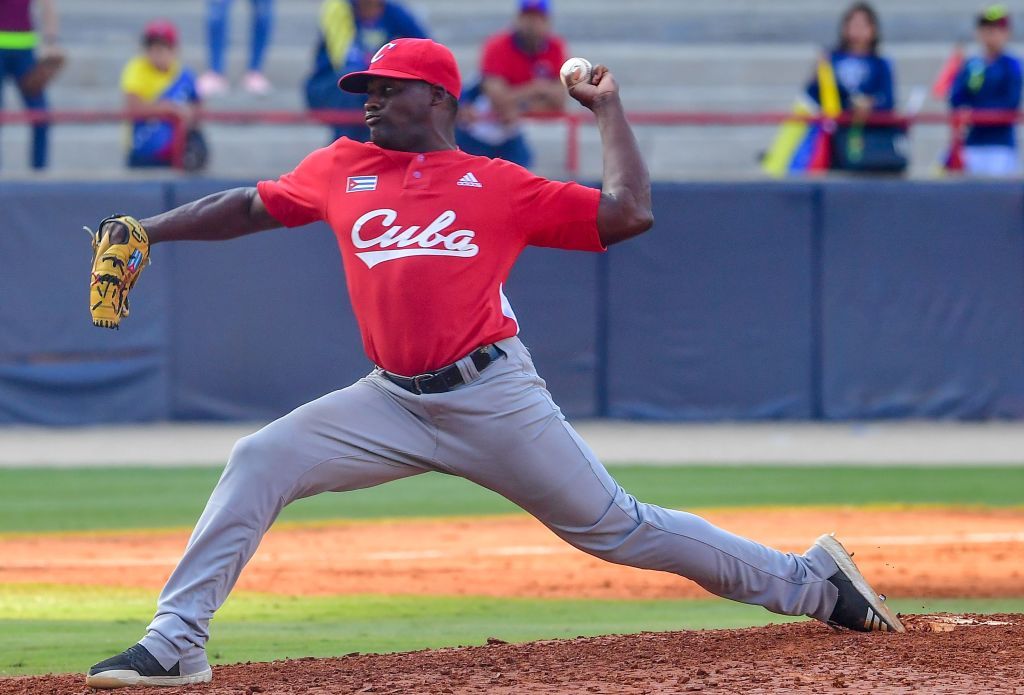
<point>446,378</point>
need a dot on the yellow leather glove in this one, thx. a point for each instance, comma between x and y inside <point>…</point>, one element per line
<point>116,266</point>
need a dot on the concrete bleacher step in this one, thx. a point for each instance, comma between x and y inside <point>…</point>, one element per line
<point>742,56</point>
<point>691,21</point>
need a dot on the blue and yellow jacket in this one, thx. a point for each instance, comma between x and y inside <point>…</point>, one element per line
<point>346,45</point>
<point>153,136</point>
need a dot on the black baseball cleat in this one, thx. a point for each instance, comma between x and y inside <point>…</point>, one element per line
<point>859,607</point>
<point>136,666</point>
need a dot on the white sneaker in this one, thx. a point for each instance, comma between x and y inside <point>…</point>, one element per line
<point>211,84</point>
<point>255,83</point>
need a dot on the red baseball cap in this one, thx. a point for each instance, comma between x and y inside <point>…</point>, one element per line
<point>409,59</point>
<point>161,30</point>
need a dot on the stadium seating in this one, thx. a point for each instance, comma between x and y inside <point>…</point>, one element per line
<point>744,55</point>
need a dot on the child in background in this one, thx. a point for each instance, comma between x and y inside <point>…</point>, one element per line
<point>990,82</point>
<point>863,76</point>
<point>156,89</point>
<point>855,81</point>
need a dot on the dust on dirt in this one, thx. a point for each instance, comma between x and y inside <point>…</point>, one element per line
<point>920,553</point>
<point>983,655</point>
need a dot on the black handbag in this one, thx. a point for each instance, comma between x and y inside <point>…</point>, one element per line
<point>197,153</point>
<point>881,149</point>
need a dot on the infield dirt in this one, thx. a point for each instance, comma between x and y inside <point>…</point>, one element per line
<point>986,656</point>
<point>904,552</point>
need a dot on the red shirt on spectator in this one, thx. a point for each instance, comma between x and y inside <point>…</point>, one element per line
<point>503,57</point>
<point>15,15</point>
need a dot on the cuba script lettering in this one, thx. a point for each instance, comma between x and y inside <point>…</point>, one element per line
<point>379,239</point>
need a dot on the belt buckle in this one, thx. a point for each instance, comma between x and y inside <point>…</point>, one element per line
<point>417,379</point>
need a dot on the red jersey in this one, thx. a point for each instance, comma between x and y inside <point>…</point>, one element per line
<point>427,241</point>
<point>503,57</point>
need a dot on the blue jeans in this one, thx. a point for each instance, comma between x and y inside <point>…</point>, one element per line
<point>515,150</point>
<point>14,64</point>
<point>217,32</point>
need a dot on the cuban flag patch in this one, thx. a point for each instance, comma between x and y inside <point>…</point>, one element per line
<point>357,184</point>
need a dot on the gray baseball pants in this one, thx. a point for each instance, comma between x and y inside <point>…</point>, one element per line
<point>500,430</point>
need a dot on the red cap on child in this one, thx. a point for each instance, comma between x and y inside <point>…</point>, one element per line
<point>161,30</point>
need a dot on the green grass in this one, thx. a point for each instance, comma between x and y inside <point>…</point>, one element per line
<point>97,498</point>
<point>61,629</point>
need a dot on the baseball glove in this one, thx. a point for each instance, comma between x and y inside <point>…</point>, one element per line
<point>120,250</point>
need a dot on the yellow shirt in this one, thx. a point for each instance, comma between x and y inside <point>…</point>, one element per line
<point>141,78</point>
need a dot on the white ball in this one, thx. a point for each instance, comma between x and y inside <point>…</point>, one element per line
<point>576,70</point>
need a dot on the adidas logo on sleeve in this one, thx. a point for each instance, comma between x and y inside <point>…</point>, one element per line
<point>470,180</point>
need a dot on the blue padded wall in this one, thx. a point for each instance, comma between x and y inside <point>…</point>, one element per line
<point>838,300</point>
<point>55,367</point>
<point>555,297</point>
<point>710,312</point>
<point>923,300</point>
<point>260,324</point>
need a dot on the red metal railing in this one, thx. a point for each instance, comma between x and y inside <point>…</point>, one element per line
<point>573,121</point>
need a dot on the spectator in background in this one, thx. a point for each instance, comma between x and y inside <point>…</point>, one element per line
<point>157,89</point>
<point>519,75</point>
<point>990,82</point>
<point>861,81</point>
<point>214,82</point>
<point>864,78</point>
<point>351,32</point>
<point>18,44</point>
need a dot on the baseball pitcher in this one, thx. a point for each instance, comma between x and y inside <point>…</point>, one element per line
<point>428,235</point>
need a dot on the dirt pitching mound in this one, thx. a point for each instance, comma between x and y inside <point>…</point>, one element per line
<point>939,654</point>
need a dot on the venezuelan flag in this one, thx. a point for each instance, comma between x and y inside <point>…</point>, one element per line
<point>788,142</point>
<point>799,146</point>
<point>828,90</point>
